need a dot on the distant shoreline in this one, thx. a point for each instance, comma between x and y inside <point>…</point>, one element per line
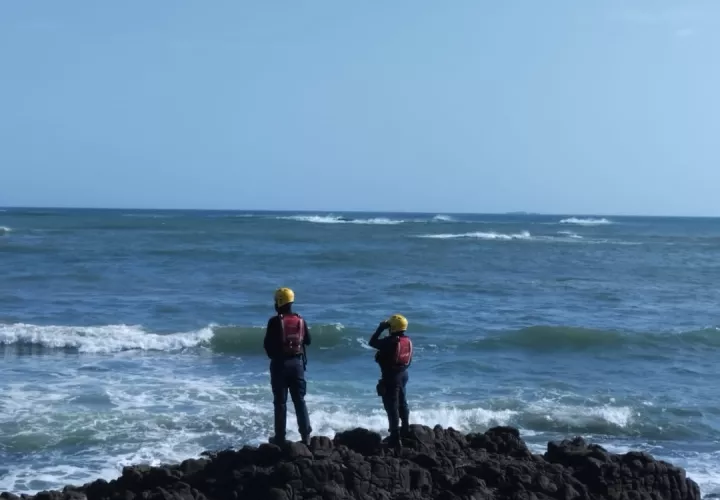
<point>337,211</point>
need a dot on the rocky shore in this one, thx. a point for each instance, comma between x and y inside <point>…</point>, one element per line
<point>439,464</point>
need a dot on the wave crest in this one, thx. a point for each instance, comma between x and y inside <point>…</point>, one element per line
<point>336,219</point>
<point>335,338</point>
<point>585,221</point>
<point>107,339</point>
<point>524,235</point>
<point>570,234</point>
<point>554,338</point>
<point>99,339</point>
<point>339,219</point>
<point>249,340</point>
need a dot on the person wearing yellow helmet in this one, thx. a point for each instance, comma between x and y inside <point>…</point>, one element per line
<point>286,336</point>
<point>394,355</point>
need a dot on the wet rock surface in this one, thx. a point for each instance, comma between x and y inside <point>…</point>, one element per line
<point>434,463</point>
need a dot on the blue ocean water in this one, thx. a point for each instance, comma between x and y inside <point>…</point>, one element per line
<point>136,336</point>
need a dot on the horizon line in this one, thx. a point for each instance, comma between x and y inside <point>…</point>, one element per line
<point>325,211</point>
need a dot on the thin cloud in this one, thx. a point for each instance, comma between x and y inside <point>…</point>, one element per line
<point>657,16</point>
<point>679,22</point>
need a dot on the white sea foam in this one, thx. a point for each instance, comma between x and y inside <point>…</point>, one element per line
<point>560,237</point>
<point>380,220</point>
<point>328,422</point>
<point>165,412</point>
<point>524,235</point>
<point>100,339</point>
<point>580,415</point>
<point>142,426</point>
<point>106,339</point>
<point>4,229</point>
<point>585,222</point>
<point>336,219</point>
<point>317,219</point>
<point>703,470</point>
<point>162,418</point>
<point>443,218</point>
<point>570,234</point>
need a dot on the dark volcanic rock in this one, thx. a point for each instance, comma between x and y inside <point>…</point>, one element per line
<point>437,463</point>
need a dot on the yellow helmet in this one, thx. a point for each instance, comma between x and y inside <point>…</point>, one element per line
<point>284,296</point>
<point>398,323</point>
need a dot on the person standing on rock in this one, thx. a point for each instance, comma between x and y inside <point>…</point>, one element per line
<point>286,336</point>
<point>394,357</point>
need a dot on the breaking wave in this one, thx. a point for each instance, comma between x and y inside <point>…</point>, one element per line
<point>542,415</point>
<point>27,338</point>
<point>559,237</point>
<point>524,235</point>
<point>4,229</point>
<point>249,340</point>
<point>585,222</point>
<point>570,234</point>
<point>562,236</point>
<point>336,219</point>
<point>232,339</point>
<point>98,339</point>
<point>340,219</point>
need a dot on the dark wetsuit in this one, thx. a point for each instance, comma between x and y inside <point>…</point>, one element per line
<point>394,379</point>
<point>287,373</point>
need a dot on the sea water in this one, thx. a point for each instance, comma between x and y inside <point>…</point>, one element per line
<point>136,336</point>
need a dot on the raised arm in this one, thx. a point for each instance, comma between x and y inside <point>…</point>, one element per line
<point>375,339</point>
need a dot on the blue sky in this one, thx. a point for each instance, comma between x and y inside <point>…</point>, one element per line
<point>464,106</point>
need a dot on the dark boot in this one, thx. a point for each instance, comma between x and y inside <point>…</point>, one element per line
<point>394,440</point>
<point>277,440</point>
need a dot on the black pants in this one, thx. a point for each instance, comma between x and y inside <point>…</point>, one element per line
<point>395,401</point>
<point>289,375</point>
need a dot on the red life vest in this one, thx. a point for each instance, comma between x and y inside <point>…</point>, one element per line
<point>403,351</point>
<point>293,334</point>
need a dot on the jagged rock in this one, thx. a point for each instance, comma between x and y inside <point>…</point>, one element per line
<point>360,440</point>
<point>434,463</point>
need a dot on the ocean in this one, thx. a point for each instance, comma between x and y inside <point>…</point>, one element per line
<point>133,336</point>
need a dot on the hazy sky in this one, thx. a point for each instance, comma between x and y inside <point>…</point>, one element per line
<point>593,106</point>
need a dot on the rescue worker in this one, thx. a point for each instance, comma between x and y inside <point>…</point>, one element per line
<point>286,336</point>
<point>394,357</point>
